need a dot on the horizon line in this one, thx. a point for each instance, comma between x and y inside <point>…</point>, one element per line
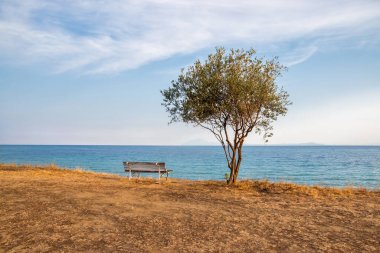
<point>197,145</point>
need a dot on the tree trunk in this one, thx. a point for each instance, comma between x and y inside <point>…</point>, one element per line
<point>235,165</point>
<point>233,176</point>
<point>231,180</point>
<point>234,170</point>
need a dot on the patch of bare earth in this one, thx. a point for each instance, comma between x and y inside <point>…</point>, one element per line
<point>49,209</point>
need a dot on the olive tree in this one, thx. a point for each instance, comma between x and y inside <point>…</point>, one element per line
<point>231,94</point>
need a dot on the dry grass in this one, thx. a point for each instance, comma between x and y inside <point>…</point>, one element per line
<point>50,169</point>
<point>46,208</point>
<point>259,186</point>
<point>14,166</point>
<point>264,186</point>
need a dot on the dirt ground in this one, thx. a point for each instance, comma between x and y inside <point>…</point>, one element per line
<point>53,210</point>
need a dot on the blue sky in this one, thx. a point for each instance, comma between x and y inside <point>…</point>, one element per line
<point>90,72</point>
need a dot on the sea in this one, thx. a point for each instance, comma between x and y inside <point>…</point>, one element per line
<point>337,166</point>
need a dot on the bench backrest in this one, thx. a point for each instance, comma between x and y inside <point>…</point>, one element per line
<point>144,166</point>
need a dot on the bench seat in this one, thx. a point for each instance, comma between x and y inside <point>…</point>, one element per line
<point>135,168</point>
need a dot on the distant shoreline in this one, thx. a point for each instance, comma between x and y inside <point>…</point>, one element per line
<point>216,145</point>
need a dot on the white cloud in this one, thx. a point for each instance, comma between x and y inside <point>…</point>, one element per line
<point>299,55</point>
<point>108,37</point>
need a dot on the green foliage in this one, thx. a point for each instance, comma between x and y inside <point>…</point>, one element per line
<point>226,176</point>
<point>237,88</point>
<point>229,94</point>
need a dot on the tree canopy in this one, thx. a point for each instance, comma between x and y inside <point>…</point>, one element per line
<point>231,94</point>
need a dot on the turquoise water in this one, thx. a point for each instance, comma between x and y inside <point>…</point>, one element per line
<point>326,165</point>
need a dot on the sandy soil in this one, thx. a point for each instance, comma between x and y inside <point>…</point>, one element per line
<point>51,210</point>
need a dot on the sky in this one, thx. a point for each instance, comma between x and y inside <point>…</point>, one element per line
<point>90,72</point>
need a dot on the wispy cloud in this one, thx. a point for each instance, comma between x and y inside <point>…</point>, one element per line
<point>108,37</point>
<point>299,55</point>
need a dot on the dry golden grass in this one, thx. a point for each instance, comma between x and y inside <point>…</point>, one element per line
<point>259,186</point>
<point>264,186</point>
<point>49,209</point>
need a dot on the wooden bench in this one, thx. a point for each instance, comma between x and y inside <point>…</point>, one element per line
<point>135,168</point>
